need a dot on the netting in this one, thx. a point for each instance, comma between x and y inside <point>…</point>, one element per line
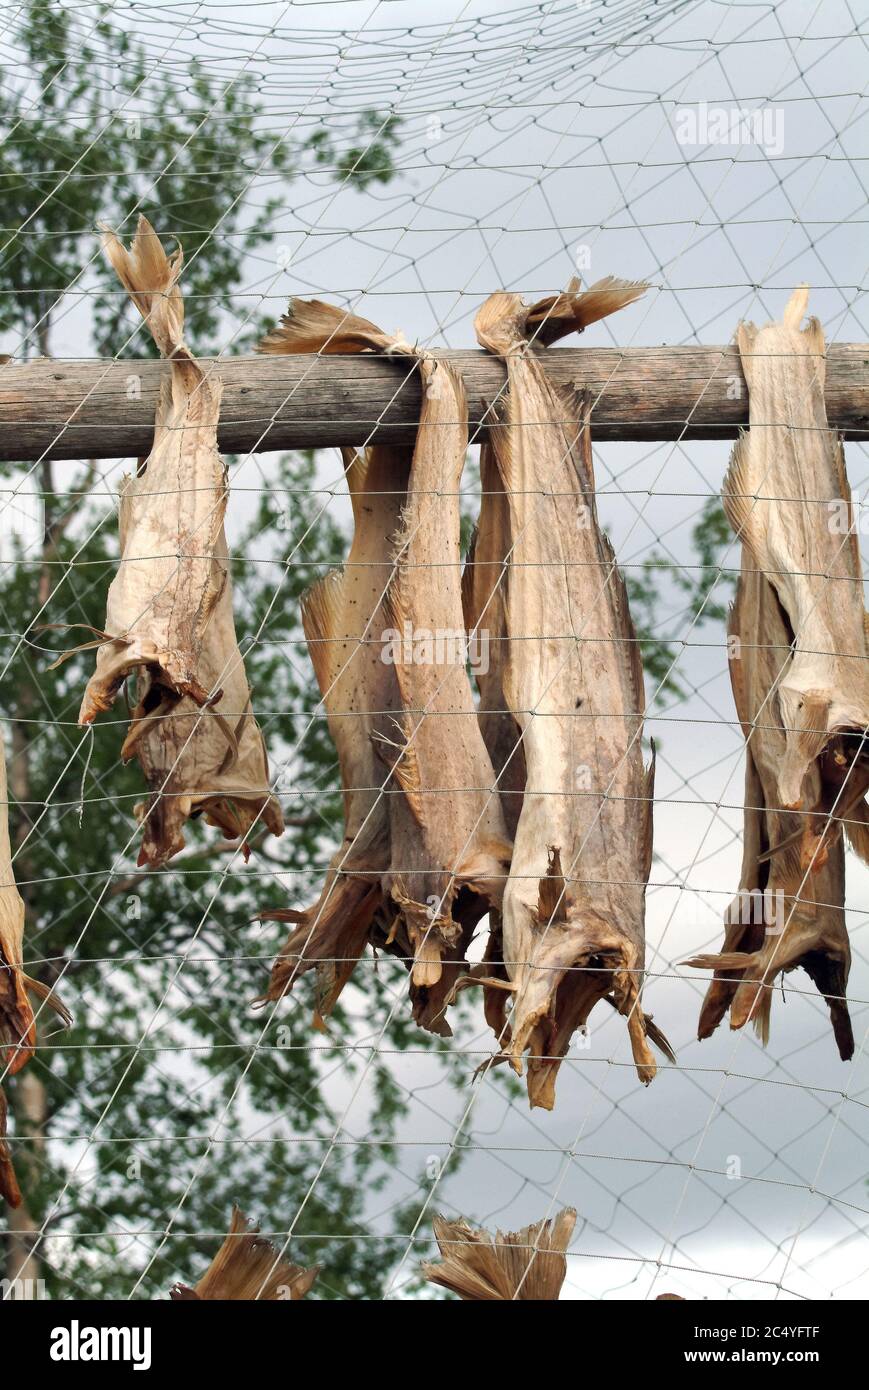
<point>507,149</point>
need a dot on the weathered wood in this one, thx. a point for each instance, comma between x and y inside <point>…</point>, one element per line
<point>94,409</point>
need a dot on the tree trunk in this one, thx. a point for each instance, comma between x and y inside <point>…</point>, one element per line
<point>23,1261</point>
<point>29,1097</point>
<point>27,1094</point>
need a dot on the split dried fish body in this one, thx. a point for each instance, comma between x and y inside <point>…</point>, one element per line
<point>800,684</point>
<point>401,709</point>
<point>789,911</point>
<point>247,1267</point>
<point>210,763</point>
<point>342,615</point>
<point>573,911</point>
<point>787,497</point>
<point>161,600</point>
<point>169,621</point>
<point>343,618</point>
<point>527,1265</point>
<point>446,823</point>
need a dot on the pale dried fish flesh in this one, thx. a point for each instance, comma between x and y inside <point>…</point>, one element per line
<point>447,833</point>
<point>169,621</point>
<point>573,911</point>
<point>526,1265</point>
<point>787,497</point>
<point>790,908</point>
<point>247,1267</point>
<point>342,615</point>
<point>425,851</point>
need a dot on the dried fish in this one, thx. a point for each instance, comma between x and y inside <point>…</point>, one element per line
<point>247,1267</point>
<point>169,621</point>
<point>800,682</point>
<point>573,911</point>
<point>425,850</point>
<point>447,831</point>
<point>789,910</point>
<point>342,615</point>
<point>787,497</point>
<point>527,1265</point>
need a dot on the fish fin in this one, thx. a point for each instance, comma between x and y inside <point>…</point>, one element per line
<point>736,495</point>
<point>321,610</point>
<point>311,325</point>
<point>571,312</point>
<point>795,309</point>
<point>150,277</point>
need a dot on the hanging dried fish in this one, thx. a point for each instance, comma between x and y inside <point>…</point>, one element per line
<point>448,838</point>
<point>247,1268</point>
<point>573,912</point>
<point>342,615</point>
<point>789,912</point>
<point>787,497</point>
<point>17,1022</point>
<point>169,621</point>
<point>527,1265</point>
<point>425,850</point>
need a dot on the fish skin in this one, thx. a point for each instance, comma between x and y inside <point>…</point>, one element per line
<point>170,630</point>
<point>573,911</point>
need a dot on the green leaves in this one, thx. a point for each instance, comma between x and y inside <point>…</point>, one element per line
<point>368,158</point>
<point>188,154</point>
<point>664,596</point>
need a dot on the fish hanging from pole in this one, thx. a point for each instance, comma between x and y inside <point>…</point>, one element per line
<point>787,497</point>
<point>787,913</point>
<point>170,630</point>
<point>425,849</point>
<point>798,665</point>
<point>573,909</point>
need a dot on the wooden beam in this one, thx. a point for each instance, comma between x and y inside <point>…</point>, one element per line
<point>94,409</point>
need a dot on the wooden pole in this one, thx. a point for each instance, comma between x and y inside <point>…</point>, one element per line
<point>104,409</point>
